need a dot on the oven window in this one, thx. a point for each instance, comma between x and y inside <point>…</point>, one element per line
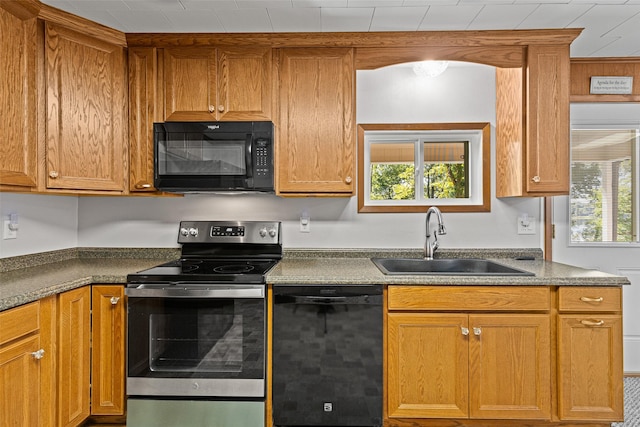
<point>193,154</point>
<point>204,338</point>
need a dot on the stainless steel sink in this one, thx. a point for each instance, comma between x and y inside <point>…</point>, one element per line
<point>451,267</point>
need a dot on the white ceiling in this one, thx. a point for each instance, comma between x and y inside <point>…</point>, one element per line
<point>612,27</point>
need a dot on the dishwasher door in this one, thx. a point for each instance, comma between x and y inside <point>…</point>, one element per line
<point>327,355</point>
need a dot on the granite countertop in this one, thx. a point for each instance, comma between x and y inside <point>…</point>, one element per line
<point>345,267</point>
<point>29,278</point>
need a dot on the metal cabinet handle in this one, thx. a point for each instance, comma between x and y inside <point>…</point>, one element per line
<point>592,322</point>
<point>477,331</point>
<point>38,354</point>
<point>53,174</point>
<point>114,300</point>
<point>212,109</point>
<point>142,185</point>
<point>591,299</point>
<point>348,180</point>
<point>535,179</point>
<point>221,108</point>
<point>465,331</point>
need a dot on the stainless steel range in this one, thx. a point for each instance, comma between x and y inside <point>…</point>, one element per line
<point>197,326</point>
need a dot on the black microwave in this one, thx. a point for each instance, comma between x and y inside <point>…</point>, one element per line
<point>193,157</point>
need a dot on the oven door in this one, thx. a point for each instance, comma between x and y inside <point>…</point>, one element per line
<point>201,340</point>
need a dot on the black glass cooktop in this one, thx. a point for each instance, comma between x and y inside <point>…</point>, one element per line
<point>206,270</point>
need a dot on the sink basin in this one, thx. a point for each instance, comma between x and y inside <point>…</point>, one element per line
<point>451,267</point>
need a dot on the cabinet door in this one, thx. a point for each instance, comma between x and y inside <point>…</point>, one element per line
<point>108,350</point>
<point>20,385</point>
<point>590,367</point>
<point>143,110</point>
<point>74,363</point>
<point>244,84</point>
<point>427,365</point>
<point>190,84</point>
<point>86,112</point>
<point>547,146</point>
<point>17,98</point>
<point>510,366</point>
<point>316,136</point>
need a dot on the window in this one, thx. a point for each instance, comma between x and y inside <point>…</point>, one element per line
<point>408,167</point>
<point>604,184</point>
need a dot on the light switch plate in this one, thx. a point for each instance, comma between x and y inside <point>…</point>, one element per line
<point>526,224</point>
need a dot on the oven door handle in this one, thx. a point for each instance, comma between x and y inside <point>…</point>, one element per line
<point>198,291</point>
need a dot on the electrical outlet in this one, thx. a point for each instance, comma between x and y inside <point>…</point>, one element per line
<point>305,225</point>
<point>526,224</point>
<point>305,222</point>
<point>7,232</point>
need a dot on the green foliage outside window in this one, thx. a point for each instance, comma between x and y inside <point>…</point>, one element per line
<point>587,206</point>
<point>396,181</point>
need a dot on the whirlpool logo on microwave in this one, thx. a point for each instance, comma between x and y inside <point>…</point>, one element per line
<point>213,127</point>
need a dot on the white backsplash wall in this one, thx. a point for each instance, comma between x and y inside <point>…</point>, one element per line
<point>335,223</point>
<point>46,223</point>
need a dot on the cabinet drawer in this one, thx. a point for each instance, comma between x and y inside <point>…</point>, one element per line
<point>469,298</point>
<point>19,321</point>
<point>590,299</point>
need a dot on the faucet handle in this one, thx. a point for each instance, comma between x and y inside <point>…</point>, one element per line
<point>441,229</point>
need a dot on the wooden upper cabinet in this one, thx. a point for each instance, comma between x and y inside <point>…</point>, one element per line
<point>143,112</point>
<point>316,134</point>
<point>205,84</point>
<point>86,112</point>
<point>245,79</point>
<point>18,158</point>
<point>532,124</point>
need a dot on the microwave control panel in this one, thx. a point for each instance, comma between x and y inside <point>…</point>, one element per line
<point>263,162</point>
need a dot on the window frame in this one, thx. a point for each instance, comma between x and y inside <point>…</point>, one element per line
<point>611,125</point>
<point>415,206</point>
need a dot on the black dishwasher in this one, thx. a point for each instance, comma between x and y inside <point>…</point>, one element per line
<point>327,355</point>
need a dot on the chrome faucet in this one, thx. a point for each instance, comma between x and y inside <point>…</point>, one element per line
<point>431,247</point>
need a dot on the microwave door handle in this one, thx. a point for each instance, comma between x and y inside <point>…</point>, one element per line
<point>249,157</point>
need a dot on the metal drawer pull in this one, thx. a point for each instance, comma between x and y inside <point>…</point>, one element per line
<point>38,354</point>
<point>477,331</point>
<point>592,322</point>
<point>114,300</point>
<point>465,331</point>
<point>591,299</point>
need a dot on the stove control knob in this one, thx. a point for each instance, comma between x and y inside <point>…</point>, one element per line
<point>273,232</point>
<point>184,231</point>
<point>193,232</point>
<point>263,232</point>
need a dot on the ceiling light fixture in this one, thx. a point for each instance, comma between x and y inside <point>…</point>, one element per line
<point>430,68</point>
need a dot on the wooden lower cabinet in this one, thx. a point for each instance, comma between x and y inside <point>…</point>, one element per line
<point>91,353</point>
<point>74,356</point>
<point>26,366</point>
<point>503,356</point>
<point>108,350</point>
<point>590,359</point>
<point>449,365</point>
